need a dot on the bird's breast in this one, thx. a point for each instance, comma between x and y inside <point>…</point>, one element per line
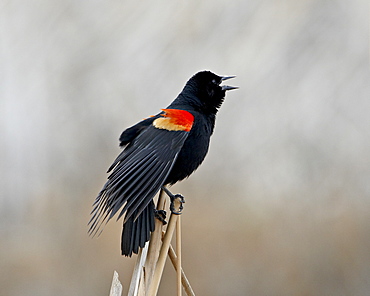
<point>193,151</point>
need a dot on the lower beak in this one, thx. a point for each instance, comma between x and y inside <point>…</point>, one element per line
<point>228,87</point>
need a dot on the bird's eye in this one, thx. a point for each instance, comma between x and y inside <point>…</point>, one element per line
<point>214,81</point>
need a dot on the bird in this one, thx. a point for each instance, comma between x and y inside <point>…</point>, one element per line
<point>159,151</point>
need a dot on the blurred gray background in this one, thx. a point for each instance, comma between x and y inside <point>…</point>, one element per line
<point>280,206</point>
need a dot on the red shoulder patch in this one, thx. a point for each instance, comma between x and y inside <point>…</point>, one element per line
<point>175,120</point>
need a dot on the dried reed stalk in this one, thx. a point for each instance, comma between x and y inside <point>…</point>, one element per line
<point>151,259</point>
<point>147,257</point>
<point>137,274</point>
<point>178,250</point>
<point>116,287</point>
<point>185,282</point>
<point>153,289</point>
<point>154,244</point>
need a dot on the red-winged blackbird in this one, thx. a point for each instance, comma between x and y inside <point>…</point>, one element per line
<point>160,150</point>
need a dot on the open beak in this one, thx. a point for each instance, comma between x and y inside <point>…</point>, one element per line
<point>227,87</point>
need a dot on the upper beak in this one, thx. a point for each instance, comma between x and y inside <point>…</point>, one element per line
<point>227,77</point>
<point>227,87</point>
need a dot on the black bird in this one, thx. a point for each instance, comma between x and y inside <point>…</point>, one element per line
<point>160,150</point>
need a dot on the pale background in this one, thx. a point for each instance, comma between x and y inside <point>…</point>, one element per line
<point>281,206</point>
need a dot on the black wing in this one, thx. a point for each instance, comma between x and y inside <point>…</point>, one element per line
<point>132,132</point>
<point>137,175</point>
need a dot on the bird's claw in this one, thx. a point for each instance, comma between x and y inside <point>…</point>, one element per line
<point>172,205</point>
<point>174,197</point>
<point>161,216</point>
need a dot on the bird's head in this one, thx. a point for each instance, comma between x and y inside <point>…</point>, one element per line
<point>206,86</point>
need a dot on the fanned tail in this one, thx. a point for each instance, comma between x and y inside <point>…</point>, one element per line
<point>136,232</point>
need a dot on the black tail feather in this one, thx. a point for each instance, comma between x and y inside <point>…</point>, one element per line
<point>136,233</point>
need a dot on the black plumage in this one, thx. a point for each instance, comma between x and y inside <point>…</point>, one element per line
<point>160,150</point>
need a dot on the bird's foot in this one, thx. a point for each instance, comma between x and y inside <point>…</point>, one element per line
<point>172,205</point>
<point>174,197</point>
<point>160,215</point>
